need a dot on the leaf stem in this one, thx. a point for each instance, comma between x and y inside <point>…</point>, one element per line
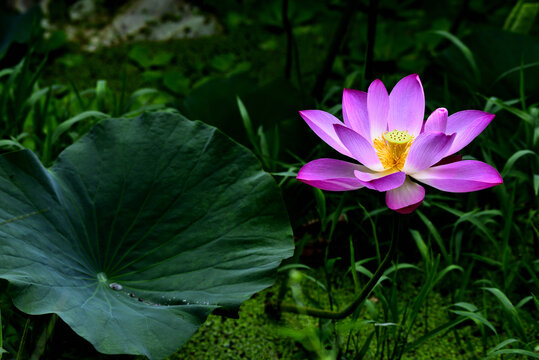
<point>348,310</point>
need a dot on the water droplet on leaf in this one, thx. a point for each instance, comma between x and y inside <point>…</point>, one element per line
<point>115,286</point>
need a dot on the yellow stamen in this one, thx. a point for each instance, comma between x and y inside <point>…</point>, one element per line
<point>392,148</point>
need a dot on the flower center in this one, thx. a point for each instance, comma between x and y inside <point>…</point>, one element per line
<point>392,148</point>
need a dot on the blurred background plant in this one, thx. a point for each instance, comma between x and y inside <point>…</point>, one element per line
<point>464,282</point>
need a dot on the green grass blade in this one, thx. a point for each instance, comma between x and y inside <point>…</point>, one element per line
<point>511,311</point>
<point>502,345</point>
<point>357,286</point>
<point>466,52</point>
<point>100,92</point>
<point>315,281</point>
<point>466,306</point>
<point>436,235</point>
<point>477,218</point>
<point>532,273</point>
<point>247,124</point>
<point>320,199</point>
<point>477,318</point>
<point>518,112</point>
<point>515,69</point>
<point>513,158</point>
<point>399,267</point>
<point>10,144</point>
<point>512,15</point>
<point>536,301</point>
<point>484,259</point>
<point>363,270</point>
<point>531,355</point>
<point>374,232</point>
<point>23,339</point>
<point>434,332</point>
<point>139,93</point>
<point>445,271</point>
<point>37,95</point>
<point>66,125</point>
<point>294,266</point>
<point>504,300</point>
<point>523,302</point>
<point>522,17</point>
<point>421,246</point>
<point>6,72</point>
<point>264,147</point>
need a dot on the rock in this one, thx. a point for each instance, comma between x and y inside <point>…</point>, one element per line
<point>93,26</point>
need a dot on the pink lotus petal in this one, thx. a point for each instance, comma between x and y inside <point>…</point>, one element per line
<point>322,123</point>
<point>359,148</point>
<point>467,125</point>
<point>407,105</point>
<point>330,174</point>
<point>462,176</point>
<point>378,107</point>
<point>354,111</point>
<point>387,181</point>
<point>365,174</point>
<point>426,150</point>
<point>437,121</point>
<point>406,198</point>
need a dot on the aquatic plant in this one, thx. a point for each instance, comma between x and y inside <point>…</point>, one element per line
<point>387,135</point>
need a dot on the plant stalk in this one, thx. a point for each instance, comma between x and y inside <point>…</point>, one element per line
<point>288,31</point>
<point>371,36</point>
<point>346,17</point>
<point>348,310</point>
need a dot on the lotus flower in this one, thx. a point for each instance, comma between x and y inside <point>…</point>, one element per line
<point>386,134</point>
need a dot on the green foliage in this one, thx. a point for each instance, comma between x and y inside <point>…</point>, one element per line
<point>522,17</point>
<point>17,96</point>
<point>142,57</point>
<point>2,350</point>
<point>46,120</point>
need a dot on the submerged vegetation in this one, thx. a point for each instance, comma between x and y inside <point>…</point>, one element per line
<point>125,228</point>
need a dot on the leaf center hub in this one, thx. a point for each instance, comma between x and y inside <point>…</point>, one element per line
<point>102,277</point>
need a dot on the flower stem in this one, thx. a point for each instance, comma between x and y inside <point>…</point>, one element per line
<point>371,35</point>
<point>348,310</point>
<point>333,49</point>
<point>288,30</point>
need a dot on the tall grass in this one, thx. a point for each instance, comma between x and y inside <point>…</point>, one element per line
<point>47,119</point>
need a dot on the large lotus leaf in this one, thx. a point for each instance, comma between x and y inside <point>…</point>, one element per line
<point>140,230</point>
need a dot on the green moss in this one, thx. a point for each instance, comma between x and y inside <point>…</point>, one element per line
<point>255,336</point>
<point>252,336</point>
